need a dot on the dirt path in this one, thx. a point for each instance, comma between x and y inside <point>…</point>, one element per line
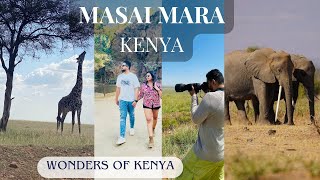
<point>107,131</point>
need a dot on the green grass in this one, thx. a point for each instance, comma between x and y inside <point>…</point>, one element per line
<point>176,109</point>
<point>45,134</point>
<point>178,142</point>
<point>179,133</point>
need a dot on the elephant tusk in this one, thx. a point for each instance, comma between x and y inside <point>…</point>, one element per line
<point>278,102</point>
<point>293,104</point>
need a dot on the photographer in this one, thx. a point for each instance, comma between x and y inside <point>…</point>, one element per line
<point>206,159</point>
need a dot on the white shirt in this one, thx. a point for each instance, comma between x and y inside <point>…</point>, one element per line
<point>127,83</point>
<point>209,115</point>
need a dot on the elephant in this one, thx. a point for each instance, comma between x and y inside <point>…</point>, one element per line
<point>255,76</point>
<point>303,73</point>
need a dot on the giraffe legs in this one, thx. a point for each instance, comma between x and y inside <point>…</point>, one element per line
<point>73,114</point>
<point>58,125</point>
<point>62,120</point>
<point>58,118</point>
<point>78,115</point>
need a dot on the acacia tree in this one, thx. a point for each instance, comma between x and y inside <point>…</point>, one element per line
<point>30,26</point>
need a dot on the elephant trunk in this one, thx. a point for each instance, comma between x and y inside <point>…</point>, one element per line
<point>288,95</point>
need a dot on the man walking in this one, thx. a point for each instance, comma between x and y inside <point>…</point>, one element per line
<point>126,98</point>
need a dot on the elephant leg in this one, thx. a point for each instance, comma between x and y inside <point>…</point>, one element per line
<point>255,104</point>
<point>272,115</point>
<point>261,92</point>
<point>311,104</point>
<point>242,112</point>
<point>227,120</point>
<point>270,104</point>
<point>295,87</point>
<point>293,105</point>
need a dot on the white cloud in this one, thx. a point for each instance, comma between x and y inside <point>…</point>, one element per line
<point>2,74</point>
<point>61,75</point>
<point>42,88</point>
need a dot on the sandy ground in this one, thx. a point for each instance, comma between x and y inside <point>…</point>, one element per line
<point>282,146</point>
<point>107,129</point>
<point>26,159</point>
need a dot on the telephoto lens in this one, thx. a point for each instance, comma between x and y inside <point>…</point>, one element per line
<point>179,87</point>
<point>187,87</point>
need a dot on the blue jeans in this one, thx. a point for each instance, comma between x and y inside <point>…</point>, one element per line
<point>125,107</point>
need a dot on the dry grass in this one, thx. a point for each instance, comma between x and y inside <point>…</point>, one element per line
<point>45,134</point>
<point>291,153</point>
<point>26,142</point>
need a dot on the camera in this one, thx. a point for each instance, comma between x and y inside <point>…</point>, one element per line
<point>188,87</point>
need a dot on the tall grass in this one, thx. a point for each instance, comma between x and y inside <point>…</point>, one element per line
<point>45,134</point>
<point>179,133</point>
<point>176,109</point>
<point>178,142</point>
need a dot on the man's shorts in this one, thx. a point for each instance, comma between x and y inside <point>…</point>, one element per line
<point>195,168</point>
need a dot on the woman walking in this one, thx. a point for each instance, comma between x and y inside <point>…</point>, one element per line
<point>151,93</point>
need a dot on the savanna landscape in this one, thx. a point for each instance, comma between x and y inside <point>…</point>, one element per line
<point>274,151</point>
<point>34,30</point>
<point>26,142</point>
<point>251,152</point>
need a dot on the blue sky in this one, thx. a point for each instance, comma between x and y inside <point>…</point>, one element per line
<point>289,25</point>
<point>39,84</point>
<point>208,53</point>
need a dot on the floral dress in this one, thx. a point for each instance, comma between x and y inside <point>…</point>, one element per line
<point>151,97</point>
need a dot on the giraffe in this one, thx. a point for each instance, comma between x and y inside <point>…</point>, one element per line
<point>72,102</point>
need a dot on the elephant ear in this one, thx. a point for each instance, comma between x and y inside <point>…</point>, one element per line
<point>258,64</point>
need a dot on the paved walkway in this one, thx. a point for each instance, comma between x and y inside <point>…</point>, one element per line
<point>107,125</point>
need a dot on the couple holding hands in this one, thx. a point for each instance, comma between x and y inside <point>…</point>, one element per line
<point>127,96</point>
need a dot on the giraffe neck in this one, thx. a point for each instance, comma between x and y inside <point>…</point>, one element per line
<point>78,86</point>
